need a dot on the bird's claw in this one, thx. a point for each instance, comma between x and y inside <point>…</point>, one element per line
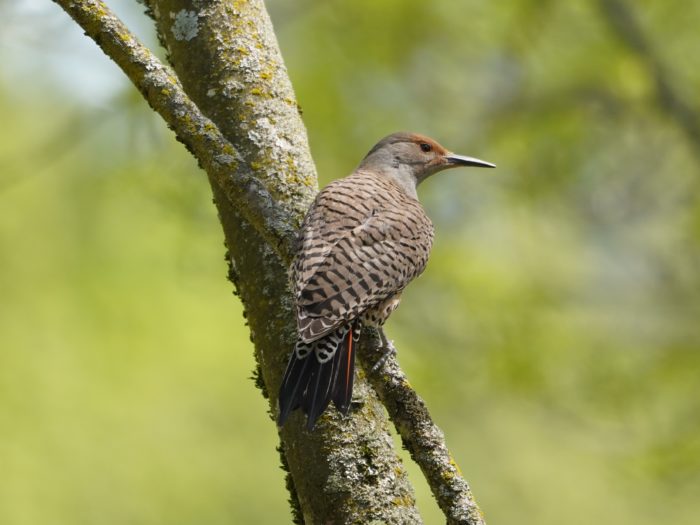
<point>389,350</point>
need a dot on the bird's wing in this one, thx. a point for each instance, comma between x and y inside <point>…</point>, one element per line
<point>359,245</point>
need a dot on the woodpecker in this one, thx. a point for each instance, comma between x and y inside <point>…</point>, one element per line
<point>364,238</point>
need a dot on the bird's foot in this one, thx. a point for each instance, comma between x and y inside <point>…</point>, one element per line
<point>389,350</point>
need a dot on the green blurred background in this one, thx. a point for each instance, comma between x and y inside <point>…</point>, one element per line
<point>555,334</point>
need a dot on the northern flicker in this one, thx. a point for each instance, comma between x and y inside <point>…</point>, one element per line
<point>364,238</point>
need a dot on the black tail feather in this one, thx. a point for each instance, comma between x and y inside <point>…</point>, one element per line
<point>293,385</point>
<point>310,384</point>
<point>317,395</point>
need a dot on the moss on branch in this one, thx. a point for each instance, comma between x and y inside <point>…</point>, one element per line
<point>421,437</point>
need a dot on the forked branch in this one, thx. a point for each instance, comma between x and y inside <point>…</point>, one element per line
<point>234,177</point>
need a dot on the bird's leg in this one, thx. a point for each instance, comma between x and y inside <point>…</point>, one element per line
<point>389,350</point>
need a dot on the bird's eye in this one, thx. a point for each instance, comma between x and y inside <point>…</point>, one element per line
<point>426,147</point>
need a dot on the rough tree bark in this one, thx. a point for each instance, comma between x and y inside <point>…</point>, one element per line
<point>231,103</point>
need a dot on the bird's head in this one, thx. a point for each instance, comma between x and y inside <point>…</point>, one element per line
<point>410,158</point>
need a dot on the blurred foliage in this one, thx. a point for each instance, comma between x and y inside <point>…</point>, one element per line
<point>555,334</point>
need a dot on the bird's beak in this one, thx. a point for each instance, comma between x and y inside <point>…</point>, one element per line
<point>461,160</point>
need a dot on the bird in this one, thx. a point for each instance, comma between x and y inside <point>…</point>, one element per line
<point>364,238</point>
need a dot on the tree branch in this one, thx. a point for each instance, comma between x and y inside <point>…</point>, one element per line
<point>623,22</point>
<point>421,437</point>
<point>163,92</point>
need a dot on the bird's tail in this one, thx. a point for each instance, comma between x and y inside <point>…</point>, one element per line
<point>318,373</point>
